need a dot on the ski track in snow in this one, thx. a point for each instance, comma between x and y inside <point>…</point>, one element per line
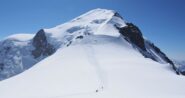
<point>89,50</point>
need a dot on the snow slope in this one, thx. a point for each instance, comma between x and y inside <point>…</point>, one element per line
<point>104,63</point>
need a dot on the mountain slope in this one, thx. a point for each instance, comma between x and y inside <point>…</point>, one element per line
<point>14,57</point>
<point>96,67</point>
<point>97,54</point>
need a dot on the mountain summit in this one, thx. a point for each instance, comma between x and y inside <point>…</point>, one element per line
<point>94,52</point>
<point>17,55</point>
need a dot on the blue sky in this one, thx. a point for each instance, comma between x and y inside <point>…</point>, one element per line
<point>161,21</point>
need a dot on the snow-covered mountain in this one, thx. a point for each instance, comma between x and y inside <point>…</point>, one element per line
<point>96,55</point>
<point>180,65</point>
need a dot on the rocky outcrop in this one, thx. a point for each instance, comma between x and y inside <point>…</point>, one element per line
<point>134,36</point>
<point>42,47</point>
<point>118,15</point>
<point>183,72</point>
<point>181,66</point>
<point>1,66</point>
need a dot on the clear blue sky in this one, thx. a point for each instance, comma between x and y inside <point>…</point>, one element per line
<point>161,21</point>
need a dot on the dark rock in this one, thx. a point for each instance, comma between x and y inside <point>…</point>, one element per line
<point>183,72</point>
<point>42,47</point>
<point>70,42</point>
<point>7,49</point>
<point>133,34</point>
<point>1,66</point>
<point>118,15</point>
<point>79,37</point>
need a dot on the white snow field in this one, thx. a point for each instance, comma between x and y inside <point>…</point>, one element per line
<point>81,69</point>
<point>102,64</point>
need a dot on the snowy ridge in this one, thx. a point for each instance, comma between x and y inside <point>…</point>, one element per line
<point>96,55</point>
<point>21,37</point>
<point>93,21</point>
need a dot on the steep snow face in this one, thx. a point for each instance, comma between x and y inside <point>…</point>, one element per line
<point>98,66</point>
<point>15,55</point>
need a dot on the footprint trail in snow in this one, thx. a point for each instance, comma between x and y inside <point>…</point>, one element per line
<point>91,55</point>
